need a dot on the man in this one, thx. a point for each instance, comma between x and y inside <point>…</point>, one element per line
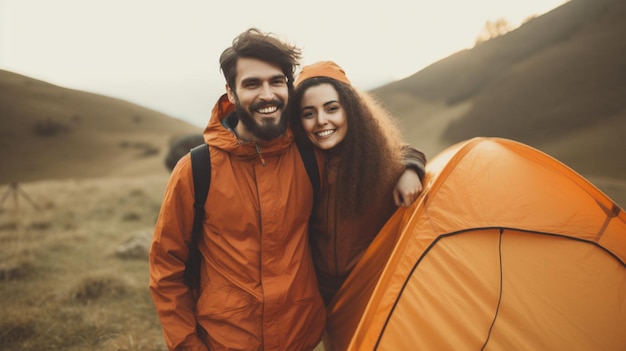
<point>258,289</point>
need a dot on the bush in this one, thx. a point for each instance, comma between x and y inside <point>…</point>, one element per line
<point>92,288</point>
<point>50,127</point>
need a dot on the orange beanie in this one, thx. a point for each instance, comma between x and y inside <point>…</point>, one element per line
<point>322,69</point>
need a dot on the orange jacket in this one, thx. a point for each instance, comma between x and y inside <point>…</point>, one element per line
<point>258,289</point>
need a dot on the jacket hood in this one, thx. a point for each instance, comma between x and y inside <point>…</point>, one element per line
<point>218,134</point>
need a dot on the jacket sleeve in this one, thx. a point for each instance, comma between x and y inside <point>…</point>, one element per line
<point>414,159</point>
<point>174,301</point>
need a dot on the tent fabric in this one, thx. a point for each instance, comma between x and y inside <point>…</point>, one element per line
<point>506,249</point>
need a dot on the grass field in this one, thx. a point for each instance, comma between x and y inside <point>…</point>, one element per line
<point>63,283</point>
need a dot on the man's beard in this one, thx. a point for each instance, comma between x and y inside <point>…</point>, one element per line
<point>268,130</point>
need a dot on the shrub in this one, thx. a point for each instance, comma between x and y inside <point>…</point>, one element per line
<point>92,288</point>
<point>50,128</point>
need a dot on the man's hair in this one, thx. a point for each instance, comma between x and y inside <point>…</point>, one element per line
<point>262,46</point>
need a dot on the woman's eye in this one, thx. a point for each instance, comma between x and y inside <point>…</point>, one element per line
<point>308,114</point>
<point>333,108</point>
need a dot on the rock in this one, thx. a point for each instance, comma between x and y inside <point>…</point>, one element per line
<point>136,247</point>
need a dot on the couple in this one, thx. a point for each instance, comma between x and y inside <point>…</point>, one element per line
<point>268,249</point>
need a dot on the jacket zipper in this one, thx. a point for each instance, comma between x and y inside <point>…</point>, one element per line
<point>258,150</point>
<point>260,226</point>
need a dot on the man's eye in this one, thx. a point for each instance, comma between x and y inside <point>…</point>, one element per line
<point>279,81</point>
<point>250,85</point>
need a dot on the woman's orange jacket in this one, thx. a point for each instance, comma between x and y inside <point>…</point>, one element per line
<point>258,289</point>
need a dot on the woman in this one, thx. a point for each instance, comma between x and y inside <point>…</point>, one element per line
<point>365,163</point>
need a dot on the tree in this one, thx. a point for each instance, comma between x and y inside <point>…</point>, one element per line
<point>493,29</point>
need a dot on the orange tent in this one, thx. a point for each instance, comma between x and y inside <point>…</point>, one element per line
<point>506,249</point>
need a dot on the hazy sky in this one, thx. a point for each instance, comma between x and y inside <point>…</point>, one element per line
<point>163,54</point>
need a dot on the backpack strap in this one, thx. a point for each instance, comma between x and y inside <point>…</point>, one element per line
<point>201,168</point>
<point>310,163</point>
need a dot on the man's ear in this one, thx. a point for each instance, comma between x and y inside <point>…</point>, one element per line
<point>231,94</point>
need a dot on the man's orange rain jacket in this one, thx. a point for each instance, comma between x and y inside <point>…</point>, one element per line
<point>258,289</point>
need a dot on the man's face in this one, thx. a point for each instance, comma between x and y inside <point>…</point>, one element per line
<point>261,94</point>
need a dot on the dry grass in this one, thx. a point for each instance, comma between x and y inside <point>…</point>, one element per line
<point>62,285</point>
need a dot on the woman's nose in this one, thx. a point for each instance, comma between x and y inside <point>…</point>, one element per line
<point>321,119</point>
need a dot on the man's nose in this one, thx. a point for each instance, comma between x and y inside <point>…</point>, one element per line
<point>266,91</point>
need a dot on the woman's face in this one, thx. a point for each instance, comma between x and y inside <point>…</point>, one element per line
<point>323,116</point>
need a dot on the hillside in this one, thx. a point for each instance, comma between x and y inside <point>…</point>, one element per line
<point>556,83</point>
<point>50,132</point>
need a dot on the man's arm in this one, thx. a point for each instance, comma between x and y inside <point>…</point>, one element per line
<point>409,185</point>
<point>414,159</point>
<point>174,301</point>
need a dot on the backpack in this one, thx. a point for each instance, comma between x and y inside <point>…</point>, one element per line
<point>201,170</point>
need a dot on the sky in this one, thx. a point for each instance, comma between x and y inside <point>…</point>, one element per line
<point>163,54</point>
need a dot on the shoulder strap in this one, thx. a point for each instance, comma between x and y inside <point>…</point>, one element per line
<point>201,169</point>
<point>310,163</point>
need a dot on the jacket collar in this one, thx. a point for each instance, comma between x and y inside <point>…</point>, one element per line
<point>219,133</point>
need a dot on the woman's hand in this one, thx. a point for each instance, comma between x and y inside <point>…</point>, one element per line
<point>407,189</point>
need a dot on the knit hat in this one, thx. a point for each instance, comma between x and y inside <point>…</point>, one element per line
<point>322,69</point>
